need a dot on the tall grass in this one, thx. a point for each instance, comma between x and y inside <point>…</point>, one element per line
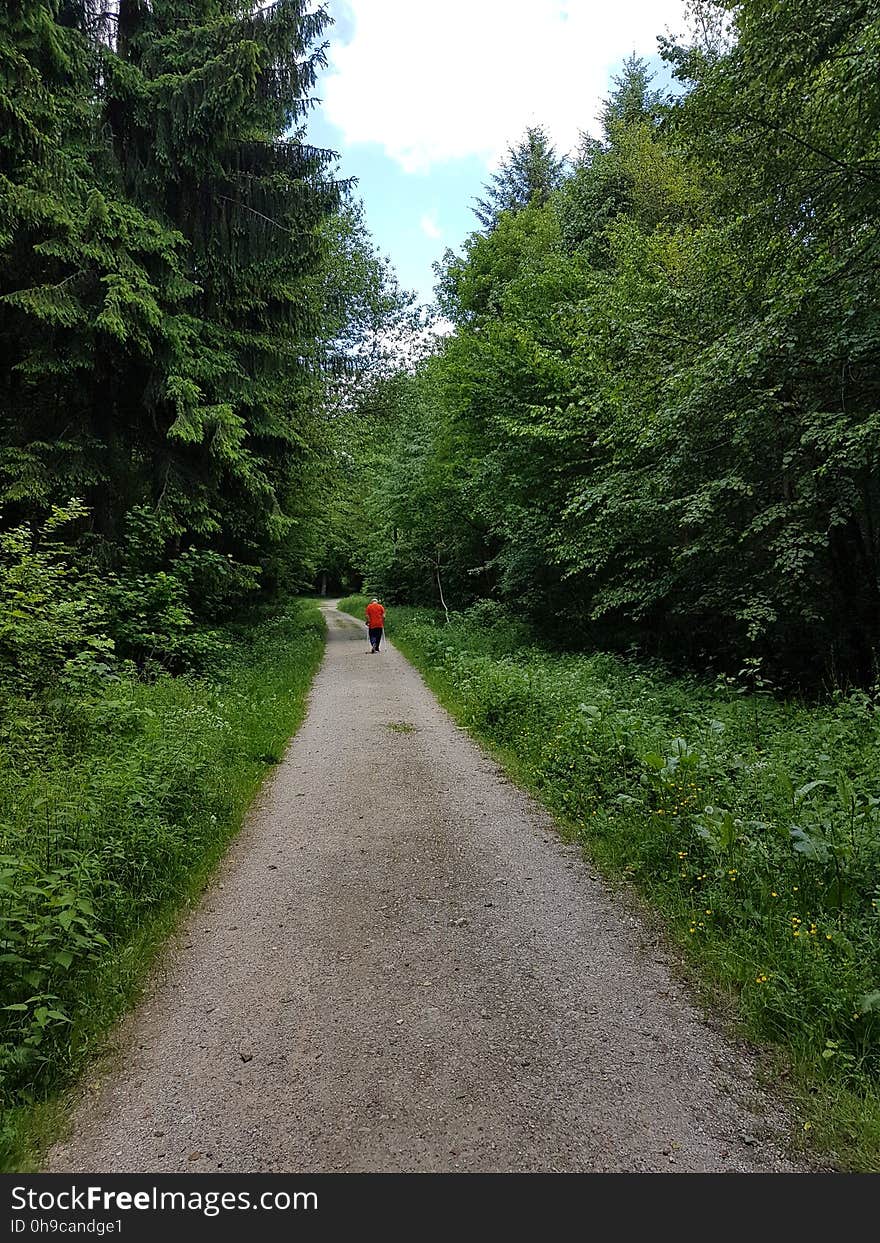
<point>752,823</point>
<point>113,808</point>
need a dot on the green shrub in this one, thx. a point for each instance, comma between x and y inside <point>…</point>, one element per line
<point>53,619</point>
<point>111,802</point>
<point>67,620</point>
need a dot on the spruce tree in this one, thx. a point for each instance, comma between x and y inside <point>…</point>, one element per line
<point>632,98</point>
<point>161,240</point>
<point>528,175</point>
<point>77,262</point>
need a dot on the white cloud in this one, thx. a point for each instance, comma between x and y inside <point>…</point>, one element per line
<point>430,227</point>
<point>433,82</point>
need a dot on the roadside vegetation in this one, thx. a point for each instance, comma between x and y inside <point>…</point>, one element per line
<point>119,795</point>
<point>751,823</point>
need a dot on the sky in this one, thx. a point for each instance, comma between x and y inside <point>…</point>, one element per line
<point>421,100</point>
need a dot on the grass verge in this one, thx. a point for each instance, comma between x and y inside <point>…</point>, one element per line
<point>751,824</point>
<point>114,809</point>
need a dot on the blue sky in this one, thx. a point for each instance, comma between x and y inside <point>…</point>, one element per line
<point>421,100</point>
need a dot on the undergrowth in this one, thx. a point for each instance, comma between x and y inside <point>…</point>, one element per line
<point>116,798</point>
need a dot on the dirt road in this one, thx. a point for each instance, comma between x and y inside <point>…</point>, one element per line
<point>400,967</point>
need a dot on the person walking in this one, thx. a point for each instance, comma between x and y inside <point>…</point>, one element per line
<point>375,615</point>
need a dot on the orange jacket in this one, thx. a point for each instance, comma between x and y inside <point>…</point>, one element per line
<point>375,615</point>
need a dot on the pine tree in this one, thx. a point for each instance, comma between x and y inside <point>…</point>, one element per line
<point>531,171</point>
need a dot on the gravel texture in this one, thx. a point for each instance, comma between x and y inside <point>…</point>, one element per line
<point>400,967</point>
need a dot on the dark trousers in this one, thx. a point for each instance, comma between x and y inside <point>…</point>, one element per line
<point>375,637</point>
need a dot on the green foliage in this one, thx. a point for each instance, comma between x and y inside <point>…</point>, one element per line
<point>67,622</point>
<point>53,620</point>
<point>113,803</point>
<point>407,531</point>
<point>165,243</point>
<point>660,403</point>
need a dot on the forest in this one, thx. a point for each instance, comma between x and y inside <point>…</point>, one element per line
<point>648,436</point>
<point>654,427</point>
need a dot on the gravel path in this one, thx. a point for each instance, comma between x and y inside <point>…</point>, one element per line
<point>401,967</point>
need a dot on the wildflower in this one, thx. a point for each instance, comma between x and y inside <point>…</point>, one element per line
<point>773,893</point>
<point>682,854</point>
